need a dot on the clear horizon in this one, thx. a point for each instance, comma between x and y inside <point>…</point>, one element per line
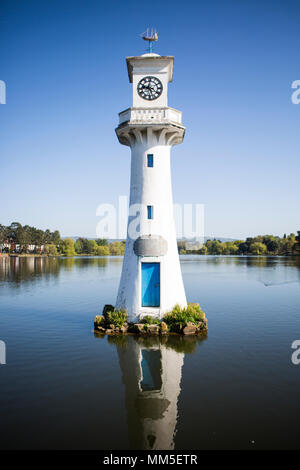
<point>66,82</point>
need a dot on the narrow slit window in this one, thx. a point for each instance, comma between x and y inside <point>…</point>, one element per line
<point>150,212</point>
<point>150,160</point>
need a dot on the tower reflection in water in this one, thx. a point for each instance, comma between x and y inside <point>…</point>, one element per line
<point>151,372</point>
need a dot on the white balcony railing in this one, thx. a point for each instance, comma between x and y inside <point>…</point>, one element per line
<point>144,115</point>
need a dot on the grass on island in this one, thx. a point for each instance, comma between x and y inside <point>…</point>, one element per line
<point>179,317</point>
<point>174,321</point>
<point>111,318</point>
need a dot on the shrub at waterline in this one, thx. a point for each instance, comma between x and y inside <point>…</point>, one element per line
<point>179,317</point>
<point>188,321</point>
<point>111,318</point>
<point>150,320</point>
<point>117,318</point>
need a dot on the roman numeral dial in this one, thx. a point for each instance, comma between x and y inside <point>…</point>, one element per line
<point>149,88</point>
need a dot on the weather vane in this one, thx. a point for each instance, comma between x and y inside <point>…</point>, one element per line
<point>151,37</point>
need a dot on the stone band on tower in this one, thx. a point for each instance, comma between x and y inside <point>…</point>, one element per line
<point>151,280</point>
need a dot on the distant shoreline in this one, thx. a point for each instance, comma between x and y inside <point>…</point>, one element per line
<point>16,239</point>
<point>82,255</point>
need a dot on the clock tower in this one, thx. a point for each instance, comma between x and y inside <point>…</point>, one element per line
<point>151,281</point>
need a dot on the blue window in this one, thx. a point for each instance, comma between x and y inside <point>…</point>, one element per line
<point>150,160</point>
<point>150,212</point>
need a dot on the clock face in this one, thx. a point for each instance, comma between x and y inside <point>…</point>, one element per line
<point>149,88</point>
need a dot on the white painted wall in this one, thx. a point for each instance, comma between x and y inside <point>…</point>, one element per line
<point>153,65</point>
<point>141,424</point>
<point>151,186</point>
<point>162,101</point>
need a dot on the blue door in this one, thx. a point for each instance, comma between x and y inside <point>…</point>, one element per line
<point>150,284</point>
<point>151,369</point>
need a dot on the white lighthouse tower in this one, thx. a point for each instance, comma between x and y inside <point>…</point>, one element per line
<point>151,280</point>
<point>151,374</point>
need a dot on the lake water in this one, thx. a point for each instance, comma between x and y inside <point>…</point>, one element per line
<point>64,388</point>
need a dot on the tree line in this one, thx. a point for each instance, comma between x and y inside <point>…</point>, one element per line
<point>26,236</point>
<point>16,238</point>
<point>19,239</point>
<point>259,245</point>
<point>98,247</point>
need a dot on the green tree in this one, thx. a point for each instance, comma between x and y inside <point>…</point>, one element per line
<point>50,249</point>
<point>4,234</point>
<point>203,250</point>
<point>15,230</point>
<point>68,247</point>
<point>4,237</point>
<point>26,238</point>
<point>181,245</point>
<point>297,246</point>
<point>272,243</point>
<point>38,239</point>
<point>288,245</point>
<point>291,244</point>
<point>78,246</point>
<point>83,243</point>
<point>92,247</point>
<point>244,248</point>
<point>273,246</point>
<point>117,248</point>
<point>102,242</point>
<point>47,236</point>
<point>103,250</point>
<point>230,248</point>
<point>17,236</point>
<point>55,237</point>
<point>215,247</point>
<point>258,238</point>
<point>258,248</point>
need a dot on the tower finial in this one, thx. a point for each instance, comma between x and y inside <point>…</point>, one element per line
<point>150,36</point>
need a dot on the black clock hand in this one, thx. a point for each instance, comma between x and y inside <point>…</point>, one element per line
<point>152,89</point>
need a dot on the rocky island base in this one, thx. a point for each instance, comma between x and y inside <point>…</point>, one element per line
<point>183,321</point>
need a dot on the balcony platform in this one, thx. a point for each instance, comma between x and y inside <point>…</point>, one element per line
<point>150,116</point>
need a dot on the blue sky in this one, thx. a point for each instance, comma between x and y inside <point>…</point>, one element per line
<point>64,67</point>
